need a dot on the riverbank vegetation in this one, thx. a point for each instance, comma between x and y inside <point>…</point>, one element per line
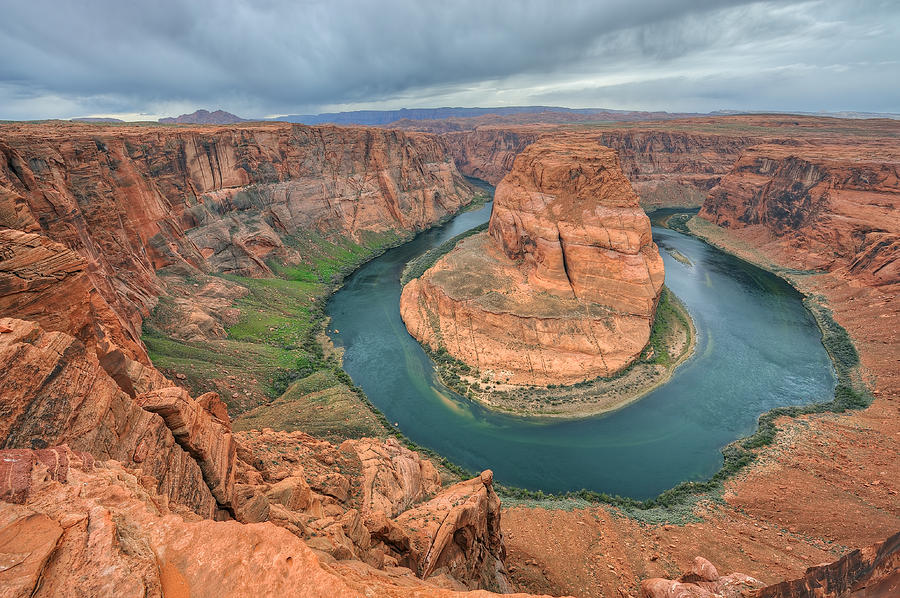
<point>677,504</point>
<point>417,267</point>
<point>274,368</point>
<point>672,340</point>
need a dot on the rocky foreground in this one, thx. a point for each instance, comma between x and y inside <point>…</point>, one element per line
<point>564,284</point>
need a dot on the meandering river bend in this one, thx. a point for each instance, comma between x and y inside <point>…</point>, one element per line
<point>757,348</point>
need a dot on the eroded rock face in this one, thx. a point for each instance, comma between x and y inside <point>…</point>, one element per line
<point>667,168</point>
<point>824,206</point>
<point>702,581</point>
<point>130,201</point>
<point>100,530</point>
<point>870,572</point>
<point>564,285</point>
<point>488,153</point>
<point>569,214</point>
<point>459,531</point>
<point>43,281</point>
<point>56,392</point>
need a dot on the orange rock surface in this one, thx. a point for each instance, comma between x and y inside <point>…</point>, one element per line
<point>96,529</point>
<point>870,572</point>
<point>666,166</point>
<point>832,207</point>
<point>564,285</point>
<point>830,482</point>
<point>130,200</point>
<point>91,212</point>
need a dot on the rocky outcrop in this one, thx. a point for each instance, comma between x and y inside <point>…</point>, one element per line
<point>825,206</point>
<point>487,153</point>
<point>393,477</point>
<point>205,437</point>
<point>132,200</point>
<point>377,502</point>
<point>569,214</point>
<point>564,285</point>
<point>56,392</point>
<point>674,168</point>
<point>100,530</point>
<point>459,531</point>
<point>45,282</point>
<point>870,572</point>
<point>702,581</point>
<point>667,167</point>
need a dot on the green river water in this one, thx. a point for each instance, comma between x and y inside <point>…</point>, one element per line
<point>757,348</point>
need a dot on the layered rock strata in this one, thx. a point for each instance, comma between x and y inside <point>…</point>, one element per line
<point>72,526</point>
<point>132,200</point>
<point>667,168</point>
<point>93,438</point>
<point>870,572</point>
<point>825,207</point>
<point>562,288</point>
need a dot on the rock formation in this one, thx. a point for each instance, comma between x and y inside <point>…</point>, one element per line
<point>829,207</point>
<point>666,166</point>
<point>487,153</point>
<point>564,285</point>
<point>870,572</point>
<point>132,200</point>
<point>367,501</point>
<point>702,581</point>
<point>106,462</point>
<point>56,392</point>
<point>71,526</point>
<point>113,481</point>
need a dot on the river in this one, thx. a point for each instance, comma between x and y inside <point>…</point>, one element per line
<point>757,348</point>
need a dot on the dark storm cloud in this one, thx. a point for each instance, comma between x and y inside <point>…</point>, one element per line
<point>272,56</point>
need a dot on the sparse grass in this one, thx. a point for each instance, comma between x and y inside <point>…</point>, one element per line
<point>276,345</point>
<point>417,267</point>
<point>318,404</point>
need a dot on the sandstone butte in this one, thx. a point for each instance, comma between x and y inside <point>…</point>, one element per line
<point>114,481</point>
<point>563,286</point>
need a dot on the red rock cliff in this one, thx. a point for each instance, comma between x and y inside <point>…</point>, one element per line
<point>131,200</point>
<point>666,167</point>
<point>562,288</point>
<point>824,207</point>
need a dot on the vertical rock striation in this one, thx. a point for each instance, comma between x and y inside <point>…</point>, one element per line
<point>564,285</point>
<point>827,207</point>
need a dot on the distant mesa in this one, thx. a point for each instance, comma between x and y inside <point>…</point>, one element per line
<point>562,288</point>
<point>204,117</point>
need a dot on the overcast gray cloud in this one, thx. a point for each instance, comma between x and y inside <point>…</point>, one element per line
<point>263,57</point>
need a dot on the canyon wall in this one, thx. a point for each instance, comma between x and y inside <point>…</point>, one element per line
<point>131,200</point>
<point>487,153</point>
<point>562,288</point>
<point>870,572</point>
<point>667,168</point>
<point>829,207</point>
<point>106,465</point>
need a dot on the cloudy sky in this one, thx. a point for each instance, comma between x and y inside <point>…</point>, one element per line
<point>142,60</point>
